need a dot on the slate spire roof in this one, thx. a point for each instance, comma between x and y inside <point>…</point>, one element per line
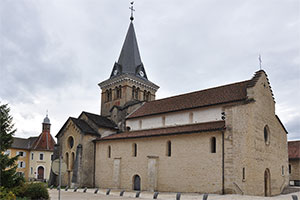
<point>129,61</point>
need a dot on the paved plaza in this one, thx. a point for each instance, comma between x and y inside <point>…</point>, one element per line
<point>115,194</point>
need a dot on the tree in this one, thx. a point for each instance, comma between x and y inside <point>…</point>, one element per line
<point>8,176</point>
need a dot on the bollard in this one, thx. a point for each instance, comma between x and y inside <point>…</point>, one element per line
<point>85,189</point>
<point>294,197</point>
<point>96,191</point>
<point>178,195</point>
<point>66,189</point>
<point>107,192</point>
<point>51,187</point>
<point>121,193</point>
<point>205,196</point>
<point>155,195</point>
<point>137,194</point>
<point>75,189</point>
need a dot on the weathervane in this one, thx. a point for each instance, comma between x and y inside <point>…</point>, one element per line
<point>132,10</point>
<point>47,112</point>
<point>259,59</point>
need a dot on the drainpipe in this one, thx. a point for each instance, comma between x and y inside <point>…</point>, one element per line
<point>94,164</point>
<point>223,163</point>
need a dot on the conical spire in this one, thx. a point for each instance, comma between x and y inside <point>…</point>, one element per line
<point>130,60</point>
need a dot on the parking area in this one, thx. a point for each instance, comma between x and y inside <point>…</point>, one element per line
<point>115,194</point>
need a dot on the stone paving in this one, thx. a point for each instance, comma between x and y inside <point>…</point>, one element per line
<point>115,194</point>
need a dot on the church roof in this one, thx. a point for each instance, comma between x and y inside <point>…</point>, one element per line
<point>219,95</point>
<point>130,57</point>
<point>83,126</point>
<point>44,142</point>
<point>294,149</point>
<point>173,130</point>
<point>23,143</point>
<point>100,121</point>
<point>129,61</point>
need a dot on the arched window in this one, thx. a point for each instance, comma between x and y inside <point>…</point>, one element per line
<point>116,93</point>
<point>133,92</point>
<point>137,93</point>
<point>67,160</point>
<point>267,135</point>
<point>145,95</point>
<point>120,91</point>
<point>110,94</point>
<point>73,160</point>
<point>70,142</point>
<point>213,145</point>
<point>109,152</point>
<point>169,148</point>
<point>134,149</point>
<point>148,96</point>
<point>106,96</point>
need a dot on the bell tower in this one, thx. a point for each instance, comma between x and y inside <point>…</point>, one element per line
<point>128,82</point>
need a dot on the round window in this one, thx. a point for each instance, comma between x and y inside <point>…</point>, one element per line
<point>71,142</point>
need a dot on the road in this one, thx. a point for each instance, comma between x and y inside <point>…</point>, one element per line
<point>115,194</point>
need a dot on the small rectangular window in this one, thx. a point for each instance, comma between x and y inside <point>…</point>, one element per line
<point>31,156</point>
<point>21,164</point>
<point>109,152</point>
<point>7,152</point>
<point>41,156</point>
<point>21,153</point>
<point>31,170</point>
<point>244,174</point>
<point>213,145</point>
<point>134,150</point>
<point>163,120</point>
<point>290,169</point>
<point>282,170</point>
<point>169,148</point>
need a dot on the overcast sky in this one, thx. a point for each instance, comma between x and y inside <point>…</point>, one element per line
<point>54,53</point>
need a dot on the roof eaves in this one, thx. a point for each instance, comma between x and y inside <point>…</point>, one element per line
<point>158,135</point>
<point>281,124</point>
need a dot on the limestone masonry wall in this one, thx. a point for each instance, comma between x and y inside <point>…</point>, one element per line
<point>190,168</point>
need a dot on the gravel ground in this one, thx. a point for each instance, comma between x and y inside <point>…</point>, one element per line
<point>114,194</point>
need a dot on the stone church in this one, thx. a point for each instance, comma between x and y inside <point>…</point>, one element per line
<point>226,139</point>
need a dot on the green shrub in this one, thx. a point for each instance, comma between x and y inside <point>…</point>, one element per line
<point>35,191</point>
<point>6,194</point>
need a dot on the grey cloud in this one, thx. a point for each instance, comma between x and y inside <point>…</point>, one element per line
<point>25,68</point>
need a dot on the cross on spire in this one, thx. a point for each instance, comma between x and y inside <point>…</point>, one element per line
<point>260,61</point>
<point>132,10</point>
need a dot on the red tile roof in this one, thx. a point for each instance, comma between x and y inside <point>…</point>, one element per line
<point>184,129</point>
<point>213,96</point>
<point>294,149</point>
<point>45,141</point>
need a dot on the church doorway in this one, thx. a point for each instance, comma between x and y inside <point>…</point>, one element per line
<point>40,173</point>
<point>136,182</point>
<point>267,183</point>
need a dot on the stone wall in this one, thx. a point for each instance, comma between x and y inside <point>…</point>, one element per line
<point>191,168</point>
<point>245,145</point>
<point>295,169</point>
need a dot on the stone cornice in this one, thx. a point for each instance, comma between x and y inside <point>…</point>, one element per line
<point>127,77</point>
